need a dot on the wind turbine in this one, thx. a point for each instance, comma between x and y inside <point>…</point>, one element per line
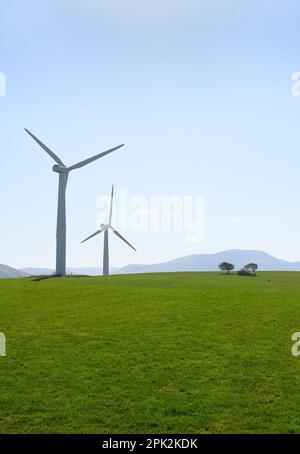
<point>63,172</point>
<point>105,228</point>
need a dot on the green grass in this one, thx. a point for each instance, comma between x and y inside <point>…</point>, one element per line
<point>186,352</point>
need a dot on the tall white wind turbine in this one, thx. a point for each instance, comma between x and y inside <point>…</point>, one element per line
<point>105,228</point>
<point>63,172</point>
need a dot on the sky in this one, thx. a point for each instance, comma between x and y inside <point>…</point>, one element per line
<point>200,93</point>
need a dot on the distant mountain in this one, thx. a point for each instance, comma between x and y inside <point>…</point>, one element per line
<point>197,262</point>
<point>37,271</point>
<point>6,272</point>
<point>210,262</point>
<point>85,271</point>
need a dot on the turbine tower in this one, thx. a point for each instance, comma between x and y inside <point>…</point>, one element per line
<point>63,172</point>
<point>105,228</point>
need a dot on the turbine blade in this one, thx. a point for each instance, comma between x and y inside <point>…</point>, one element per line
<point>50,153</point>
<point>94,158</point>
<point>111,205</point>
<point>92,236</point>
<point>122,238</point>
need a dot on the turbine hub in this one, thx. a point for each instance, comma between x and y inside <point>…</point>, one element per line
<point>59,169</point>
<point>104,226</point>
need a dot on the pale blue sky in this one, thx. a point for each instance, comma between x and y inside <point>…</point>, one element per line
<point>200,91</point>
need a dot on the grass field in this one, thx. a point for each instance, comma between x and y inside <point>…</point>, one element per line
<point>168,353</point>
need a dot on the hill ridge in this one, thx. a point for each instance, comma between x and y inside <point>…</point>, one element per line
<point>192,262</point>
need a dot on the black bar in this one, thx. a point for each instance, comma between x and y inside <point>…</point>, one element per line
<point>134,443</point>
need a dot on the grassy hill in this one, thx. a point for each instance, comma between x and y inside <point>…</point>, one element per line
<point>159,353</point>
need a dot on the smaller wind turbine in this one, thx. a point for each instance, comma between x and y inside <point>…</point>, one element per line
<point>105,228</point>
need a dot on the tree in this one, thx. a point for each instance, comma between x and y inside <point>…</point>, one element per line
<point>225,266</point>
<point>243,272</point>
<point>251,267</point>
